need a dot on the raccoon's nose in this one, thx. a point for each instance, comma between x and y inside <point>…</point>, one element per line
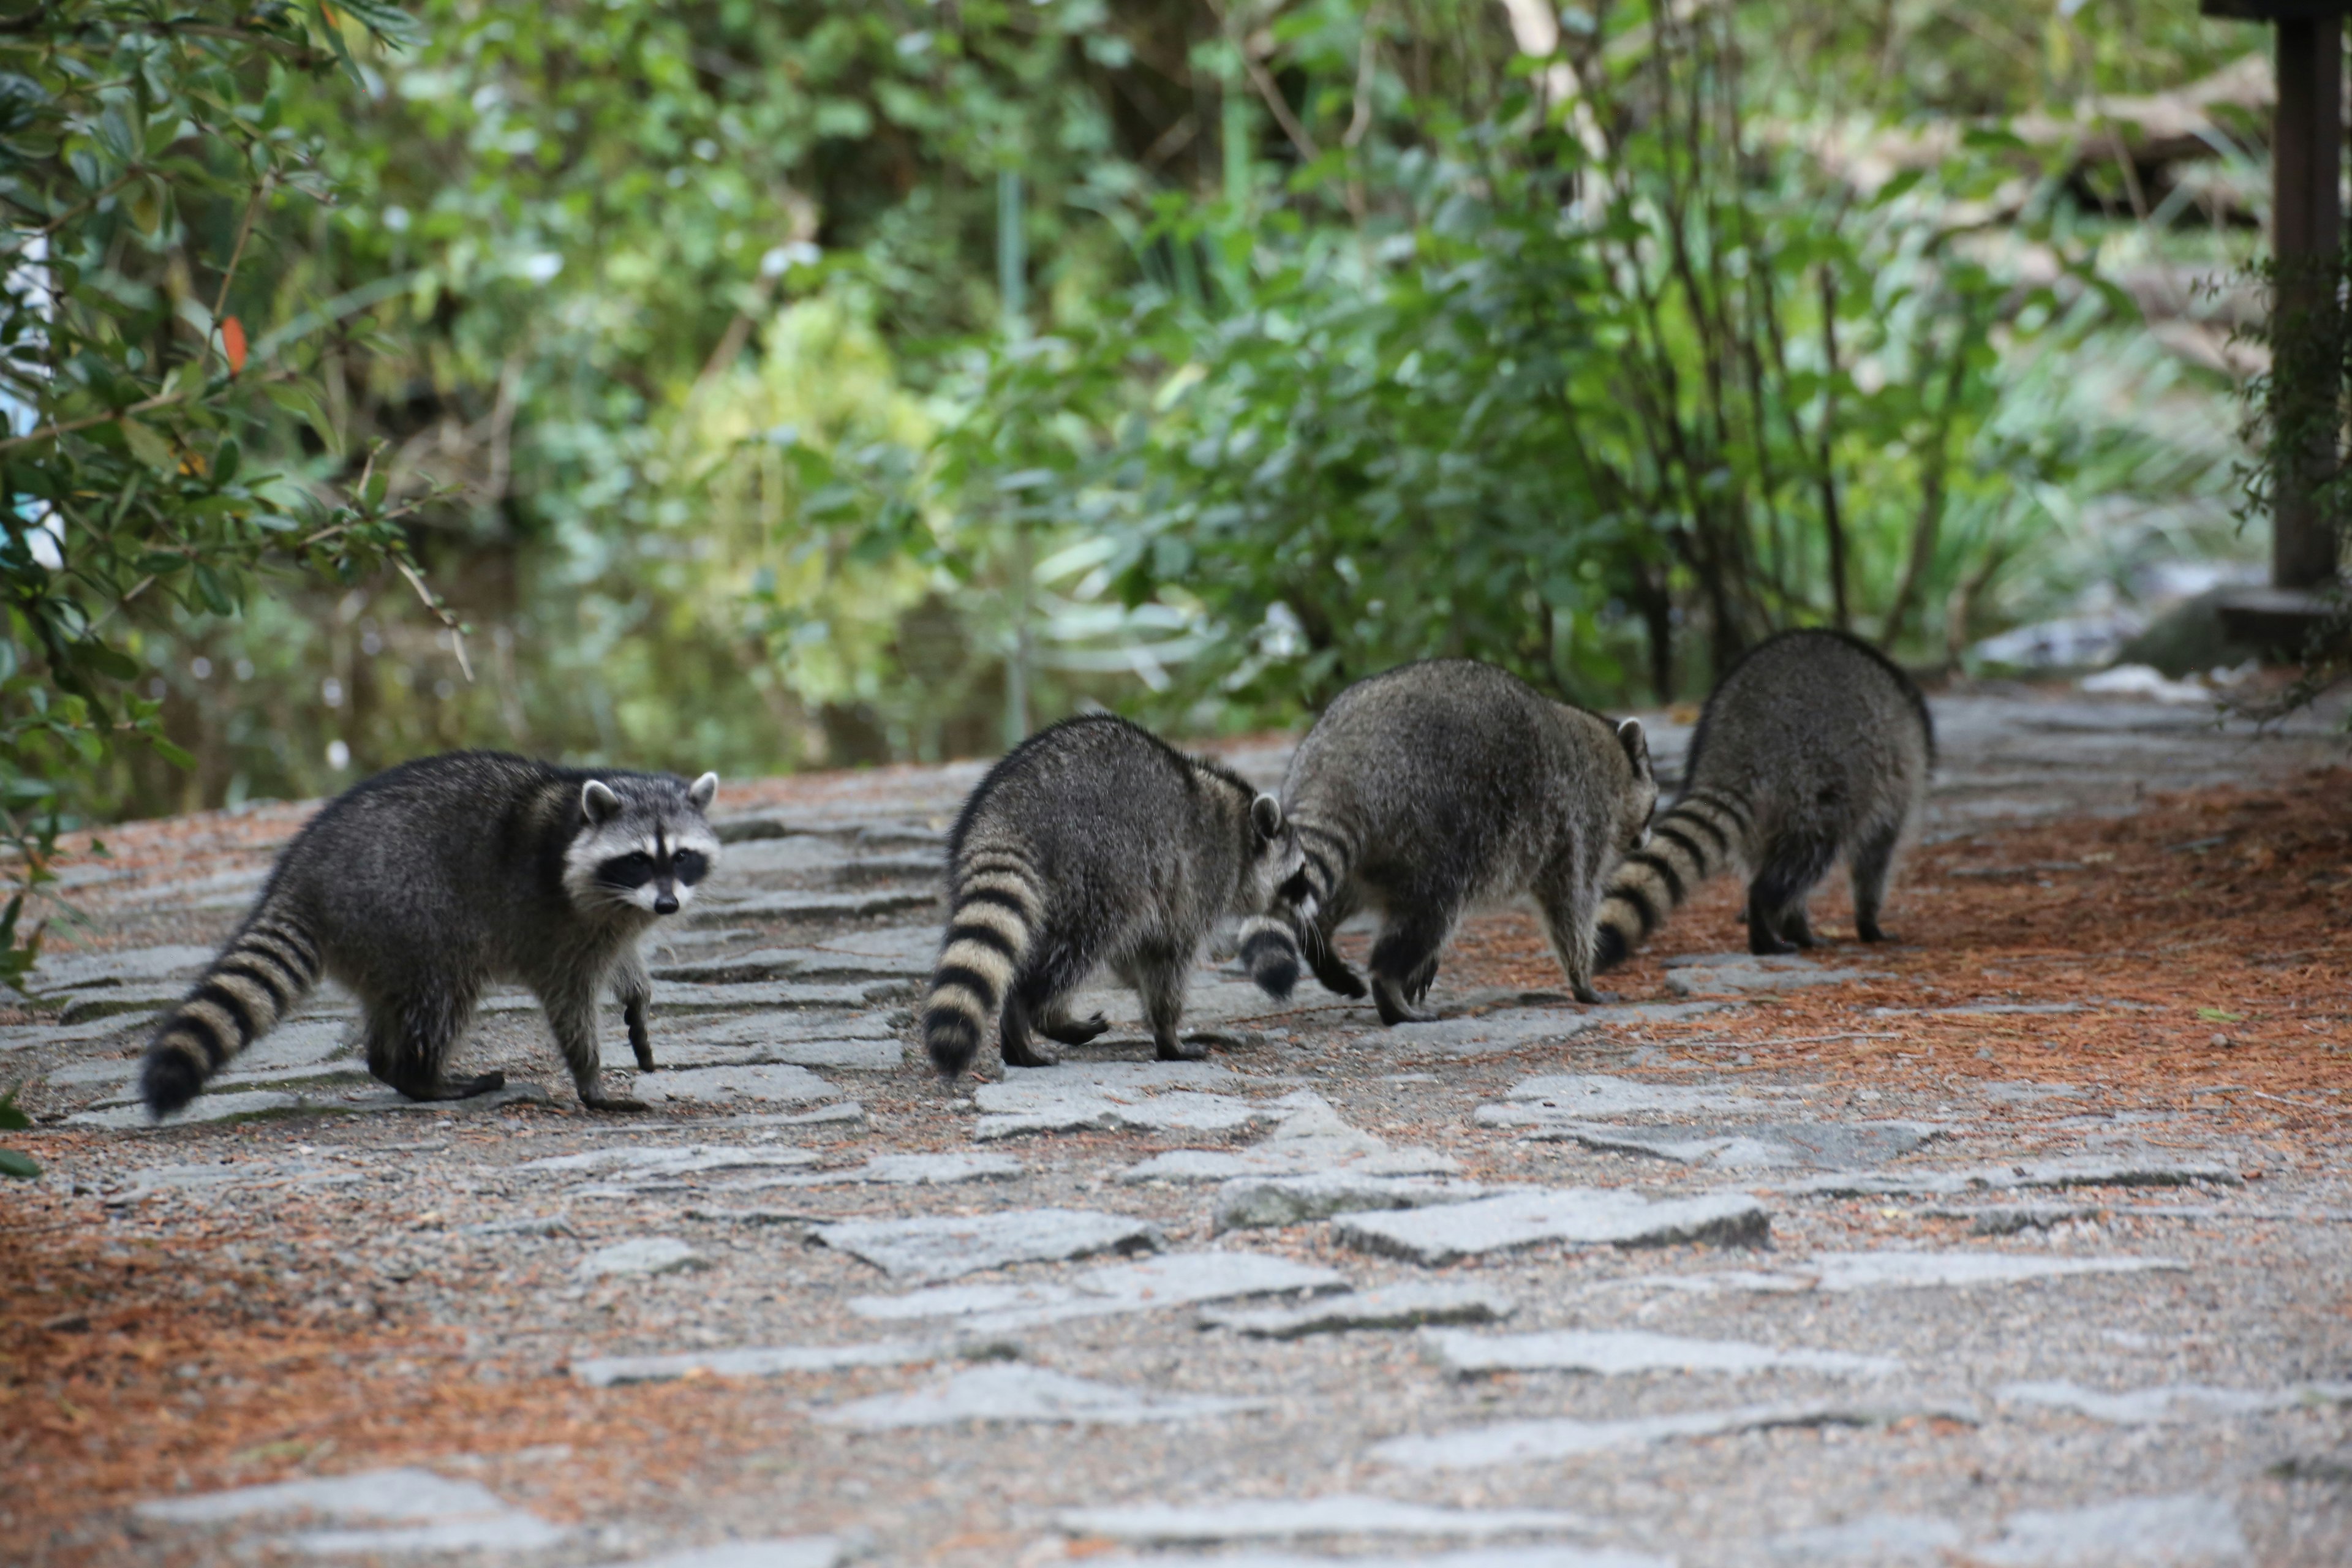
<point>666,901</point>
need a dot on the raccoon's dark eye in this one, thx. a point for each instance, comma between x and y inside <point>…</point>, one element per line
<point>690,866</point>
<point>626,870</point>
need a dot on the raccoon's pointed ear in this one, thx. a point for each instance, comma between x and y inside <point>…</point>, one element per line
<point>702,791</point>
<point>1266,816</point>
<point>598,801</point>
<point>1637,746</point>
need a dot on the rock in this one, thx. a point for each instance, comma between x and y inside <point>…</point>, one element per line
<point>1911,1270</point>
<point>1257,1201</point>
<point>1153,1284</point>
<point>2171,1401</point>
<point>1471,1557</point>
<point>429,1514</point>
<point>239,1105</point>
<point>1613,1352</point>
<point>898,1171</point>
<point>1494,1033</point>
<point>1565,1095</point>
<point>1310,1138</point>
<point>1142,1097</point>
<point>18,1037</point>
<point>67,971</point>
<point>2018,1093</point>
<point>666,1159</point>
<point>782,1551</point>
<point>1024,1394</point>
<point>117,1001</point>
<point>1872,1538</point>
<point>2137,1530</point>
<point>719,1085</point>
<point>290,1048</point>
<point>899,953</point>
<point>784,994</point>
<point>779,1029</point>
<point>2151,1170</point>
<point>770,1360</point>
<point>1526,1442</point>
<point>951,1247</point>
<point>1734,973</point>
<point>850,1055</point>
<point>1576,1215</point>
<point>640,1255</point>
<point>1388,1307</point>
<point>794,904</point>
<point>1759,1147</point>
<point>1269,1519</point>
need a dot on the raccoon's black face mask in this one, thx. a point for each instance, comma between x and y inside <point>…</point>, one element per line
<point>642,848</point>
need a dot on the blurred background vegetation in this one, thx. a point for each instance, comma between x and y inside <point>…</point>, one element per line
<point>770,383</point>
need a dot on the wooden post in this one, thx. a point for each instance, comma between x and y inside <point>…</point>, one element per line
<point>2306,246</point>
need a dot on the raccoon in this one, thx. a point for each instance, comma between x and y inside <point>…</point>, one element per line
<point>418,887</point>
<point>1815,744</point>
<point>1093,844</point>
<point>1435,788</point>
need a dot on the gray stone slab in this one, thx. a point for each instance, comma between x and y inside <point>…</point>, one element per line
<point>1252,1202</point>
<point>131,966</point>
<point>1469,1557</point>
<point>1019,1393</point>
<point>1310,1138</point>
<point>293,1048</point>
<point>757,1361</point>
<point>794,904</point>
<point>24,1036</point>
<point>1282,1519</point>
<point>423,1513</point>
<point>1108,1098</point>
<point>1613,1352</point>
<point>1840,1271</point>
<point>238,1105</point>
<point>513,1531</point>
<point>844,1055</point>
<point>2183,1529</point>
<point>2021,1093</point>
<point>641,1255</point>
<point>1388,1307</point>
<point>1151,1284</point>
<point>112,1073</point>
<point>1532,1442</point>
<point>1589,1094</point>
<point>1763,1146</point>
<point>1494,1033</point>
<point>798,854</point>
<point>1721,974</point>
<point>117,1002</point>
<point>1872,1538</point>
<point>842,996</point>
<point>778,1029</point>
<point>897,1171</point>
<point>2172,1400</point>
<point>1539,1216</point>
<point>244,1177</point>
<point>775,1082</point>
<point>778,1552</point>
<point>2154,1169</point>
<point>896,953</point>
<point>949,1247</point>
<point>674,1159</point>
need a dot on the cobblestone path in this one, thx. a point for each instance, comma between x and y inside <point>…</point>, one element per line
<point>2026,1239</point>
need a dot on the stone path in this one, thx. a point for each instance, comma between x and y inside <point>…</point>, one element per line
<point>1868,1256</point>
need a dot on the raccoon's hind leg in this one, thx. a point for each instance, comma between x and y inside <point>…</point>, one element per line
<point>572,1014</point>
<point>409,1038</point>
<point>1569,905</point>
<point>1776,898</point>
<point>1324,959</point>
<point>1160,975</point>
<point>1404,952</point>
<point>1014,1042</point>
<point>1871,861</point>
<point>1056,1025</point>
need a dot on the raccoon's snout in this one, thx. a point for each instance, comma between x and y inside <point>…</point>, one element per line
<point>666,901</point>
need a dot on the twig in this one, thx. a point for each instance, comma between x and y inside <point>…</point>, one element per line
<point>456,637</point>
<point>236,252</point>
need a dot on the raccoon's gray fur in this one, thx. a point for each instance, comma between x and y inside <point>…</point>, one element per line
<point>420,886</point>
<point>1094,844</point>
<point>1435,788</point>
<point>1814,745</point>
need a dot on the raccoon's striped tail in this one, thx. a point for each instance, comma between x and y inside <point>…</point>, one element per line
<point>261,976</point>
<point>996,908</point>
<point>1705,831</point>
<point>1286,936</point>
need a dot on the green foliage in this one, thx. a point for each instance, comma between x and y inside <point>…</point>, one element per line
<point>12,1120</point>
<point>143,150</point>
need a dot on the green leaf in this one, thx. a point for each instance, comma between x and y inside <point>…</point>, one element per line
<point>20,1166</point>
<point>214,594</point>
<point>148,447</point>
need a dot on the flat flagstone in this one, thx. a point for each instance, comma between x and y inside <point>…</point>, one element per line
<point>1249,1202</point>
<point>413,1510</point>
<point>1763,1146</point>
<point>779,1552</point>
<point>844,1055</point>
<point>2152,1169</point>
<point>948,1247</point>
<point>1872,1538</point>
<point>1151,1284</point>
<point>1471,1557</point>
<point>1388,1306</point>
<point>291,1048</point>
<point>2171,1401</point>
<point>2137,1530</point>
<point>1511,1029</point>
<point>780,1028</point>
<point>795,904</point>
<point>1616,1351</point>
<point>640,1255</point>
<point>1016,1393</point>
<point>131,966</point>
<point>897,1171</point>
<point>899,953</point>
<point>1569,1096</point>
<point>1143,1096</point>
<point>671,997</point>
<point>756,1361</point>
<point>718,1085</point>
<point>1310,1138</point>
<point>669,1158</point>
<point>1576,1215</point>
<point>1525,1442</point>
<point>19,1037</point>
<point>1900,1270</point>
<point>234,1106</point>
<point>1722,973</point>
<point>1277,1518</point>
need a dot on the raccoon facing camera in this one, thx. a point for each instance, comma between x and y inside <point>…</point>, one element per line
<point>1815,746</point>
<point>1436,788</point>
<point>418,888</point>
<point>1093,844</point>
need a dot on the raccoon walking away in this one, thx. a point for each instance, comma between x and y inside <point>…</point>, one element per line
<point>1094,844</point>
<point>1815,745</point>
<point>1436,787</point>
<point>420,886</point>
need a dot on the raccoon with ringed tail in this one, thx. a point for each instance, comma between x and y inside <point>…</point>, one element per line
<point>417,887</point>
<point>1815,745</point>
<point>1092,845</point>
<point>1433,789</point>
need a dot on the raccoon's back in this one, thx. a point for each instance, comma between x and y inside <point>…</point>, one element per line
<point>1814,721</point>
<point>1098,807</point>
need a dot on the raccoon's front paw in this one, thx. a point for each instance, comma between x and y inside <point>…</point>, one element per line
<point>1587,993</point>
<point>619,1104</point>
<point>1029,1054</point>
<point>1181,1050</point>
<point>1396,1007</point>
<point>1870,930</point>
